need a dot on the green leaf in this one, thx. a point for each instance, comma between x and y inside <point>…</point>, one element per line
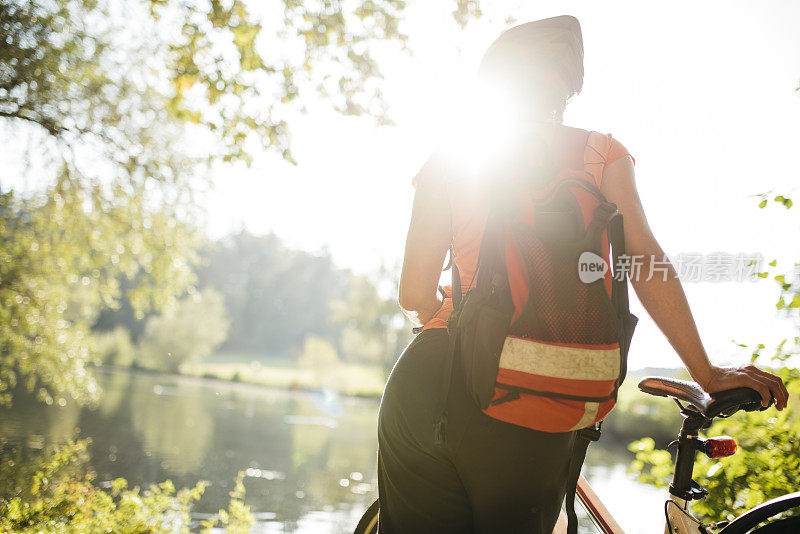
<point>762,204</point>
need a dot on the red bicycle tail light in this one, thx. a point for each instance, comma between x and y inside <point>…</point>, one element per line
<point>720,446</point>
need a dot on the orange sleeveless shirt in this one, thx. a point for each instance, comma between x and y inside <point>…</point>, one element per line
<point>468,209</point>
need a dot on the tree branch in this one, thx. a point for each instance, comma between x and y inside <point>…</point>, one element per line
<point>50,126</point>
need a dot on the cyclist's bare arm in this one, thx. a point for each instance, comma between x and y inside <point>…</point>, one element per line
<point>665,300</point>
<point>426,245</point>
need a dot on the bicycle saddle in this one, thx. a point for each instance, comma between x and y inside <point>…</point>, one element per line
<point>720,404</point>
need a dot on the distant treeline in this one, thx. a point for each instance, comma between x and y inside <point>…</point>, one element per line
<point>276,297</point>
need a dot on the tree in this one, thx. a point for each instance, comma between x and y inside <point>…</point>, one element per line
<point>114,347</point>
<point>69,65</point>
<point>192,329</point>
<point>61,253</point>
<point>127,105</point>
<point>372,327</point>
<point>275,296</point>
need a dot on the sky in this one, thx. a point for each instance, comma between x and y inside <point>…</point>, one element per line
<point>701,93</point>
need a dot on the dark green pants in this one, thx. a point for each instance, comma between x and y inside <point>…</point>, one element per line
<point>488,477</point>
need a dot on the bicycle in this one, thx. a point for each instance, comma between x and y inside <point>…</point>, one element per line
<point>699,410</point>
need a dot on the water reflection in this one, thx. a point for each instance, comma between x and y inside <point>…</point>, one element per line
<point>309,458</point>
<point>173,424</point>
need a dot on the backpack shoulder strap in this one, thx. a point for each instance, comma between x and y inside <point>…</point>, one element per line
<point>583,438</point>
<point>595,155</point>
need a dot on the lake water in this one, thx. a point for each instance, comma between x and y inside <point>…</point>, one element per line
<point>310,458</point>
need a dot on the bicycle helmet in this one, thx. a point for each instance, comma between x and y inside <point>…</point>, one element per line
<point>551,46</point>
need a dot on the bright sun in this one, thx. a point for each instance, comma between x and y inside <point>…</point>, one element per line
<point>483,123</point>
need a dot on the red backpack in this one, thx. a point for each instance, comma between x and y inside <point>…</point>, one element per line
<point>543,330</point>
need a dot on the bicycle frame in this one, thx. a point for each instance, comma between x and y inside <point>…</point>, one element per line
<point>679,517</point>
<point>596,508</point>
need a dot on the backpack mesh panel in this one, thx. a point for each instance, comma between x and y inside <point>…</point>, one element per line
<point>560,308</point>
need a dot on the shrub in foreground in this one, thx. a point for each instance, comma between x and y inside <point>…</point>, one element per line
<point>55,491</point>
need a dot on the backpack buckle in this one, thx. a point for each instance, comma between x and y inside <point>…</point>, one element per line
<point>604,211</point>
<point>590,433</point>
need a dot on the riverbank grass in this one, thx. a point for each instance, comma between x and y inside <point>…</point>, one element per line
<point>345,378</point>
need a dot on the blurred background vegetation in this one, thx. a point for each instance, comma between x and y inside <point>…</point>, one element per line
<point>265,314</point>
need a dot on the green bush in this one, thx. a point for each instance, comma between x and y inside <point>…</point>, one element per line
<point>114,347</point>
<point>638,415</point>
<point>237,519</point>
<point>191,329</point>
<point>55,492</point>
<point>320,357</point>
